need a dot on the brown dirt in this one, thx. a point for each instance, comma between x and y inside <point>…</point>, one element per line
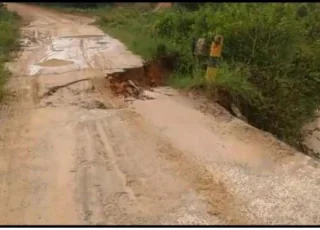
<point>80,155</point>
<point>151,74</point>
<point>163,5</point>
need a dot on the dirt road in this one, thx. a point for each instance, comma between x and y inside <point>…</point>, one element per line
<point>81,156</point>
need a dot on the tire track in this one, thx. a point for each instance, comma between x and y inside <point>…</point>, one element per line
<point>82,172</point>
<point>220,202</point>
<point>102,187</point>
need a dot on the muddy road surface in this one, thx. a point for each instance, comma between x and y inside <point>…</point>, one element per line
<point>79,155</point>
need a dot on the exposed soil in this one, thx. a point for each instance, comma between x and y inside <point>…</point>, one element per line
<point>163,5</point>
<point>152,73</point>
<point>72,152</point>
<point>133,81</point>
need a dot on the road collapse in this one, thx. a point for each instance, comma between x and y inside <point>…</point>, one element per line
<point>132,82</point>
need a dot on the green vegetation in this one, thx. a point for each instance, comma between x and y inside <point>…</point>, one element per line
<point>9,34</point>
<point>270,61</point>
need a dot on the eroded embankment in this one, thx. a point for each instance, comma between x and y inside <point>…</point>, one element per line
<point>132,83</point>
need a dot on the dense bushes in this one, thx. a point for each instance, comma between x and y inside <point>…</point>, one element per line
<point>280,49</point>
<point>270,57</point>
<point>9,33</point>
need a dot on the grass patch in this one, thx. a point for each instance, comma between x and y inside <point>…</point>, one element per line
<point>9,34</point>
<point>136,37</point>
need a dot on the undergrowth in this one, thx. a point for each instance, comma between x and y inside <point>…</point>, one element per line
<point>9,34</point>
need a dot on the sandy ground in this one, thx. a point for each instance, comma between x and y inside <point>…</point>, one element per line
<point>81,156</point>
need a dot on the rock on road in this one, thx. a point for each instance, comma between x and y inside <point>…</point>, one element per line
<point>66,160</point>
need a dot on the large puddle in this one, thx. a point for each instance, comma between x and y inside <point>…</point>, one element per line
<point>75,53</point>
<point>55,62</point>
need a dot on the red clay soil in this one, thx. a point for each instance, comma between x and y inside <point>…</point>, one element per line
<point>152,74</point>
<point>163,5</point>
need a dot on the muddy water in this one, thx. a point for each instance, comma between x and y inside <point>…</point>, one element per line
<point>54,62</point>
<point>80,52</point>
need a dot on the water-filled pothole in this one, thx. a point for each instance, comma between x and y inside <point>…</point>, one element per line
<point>55,62</point>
